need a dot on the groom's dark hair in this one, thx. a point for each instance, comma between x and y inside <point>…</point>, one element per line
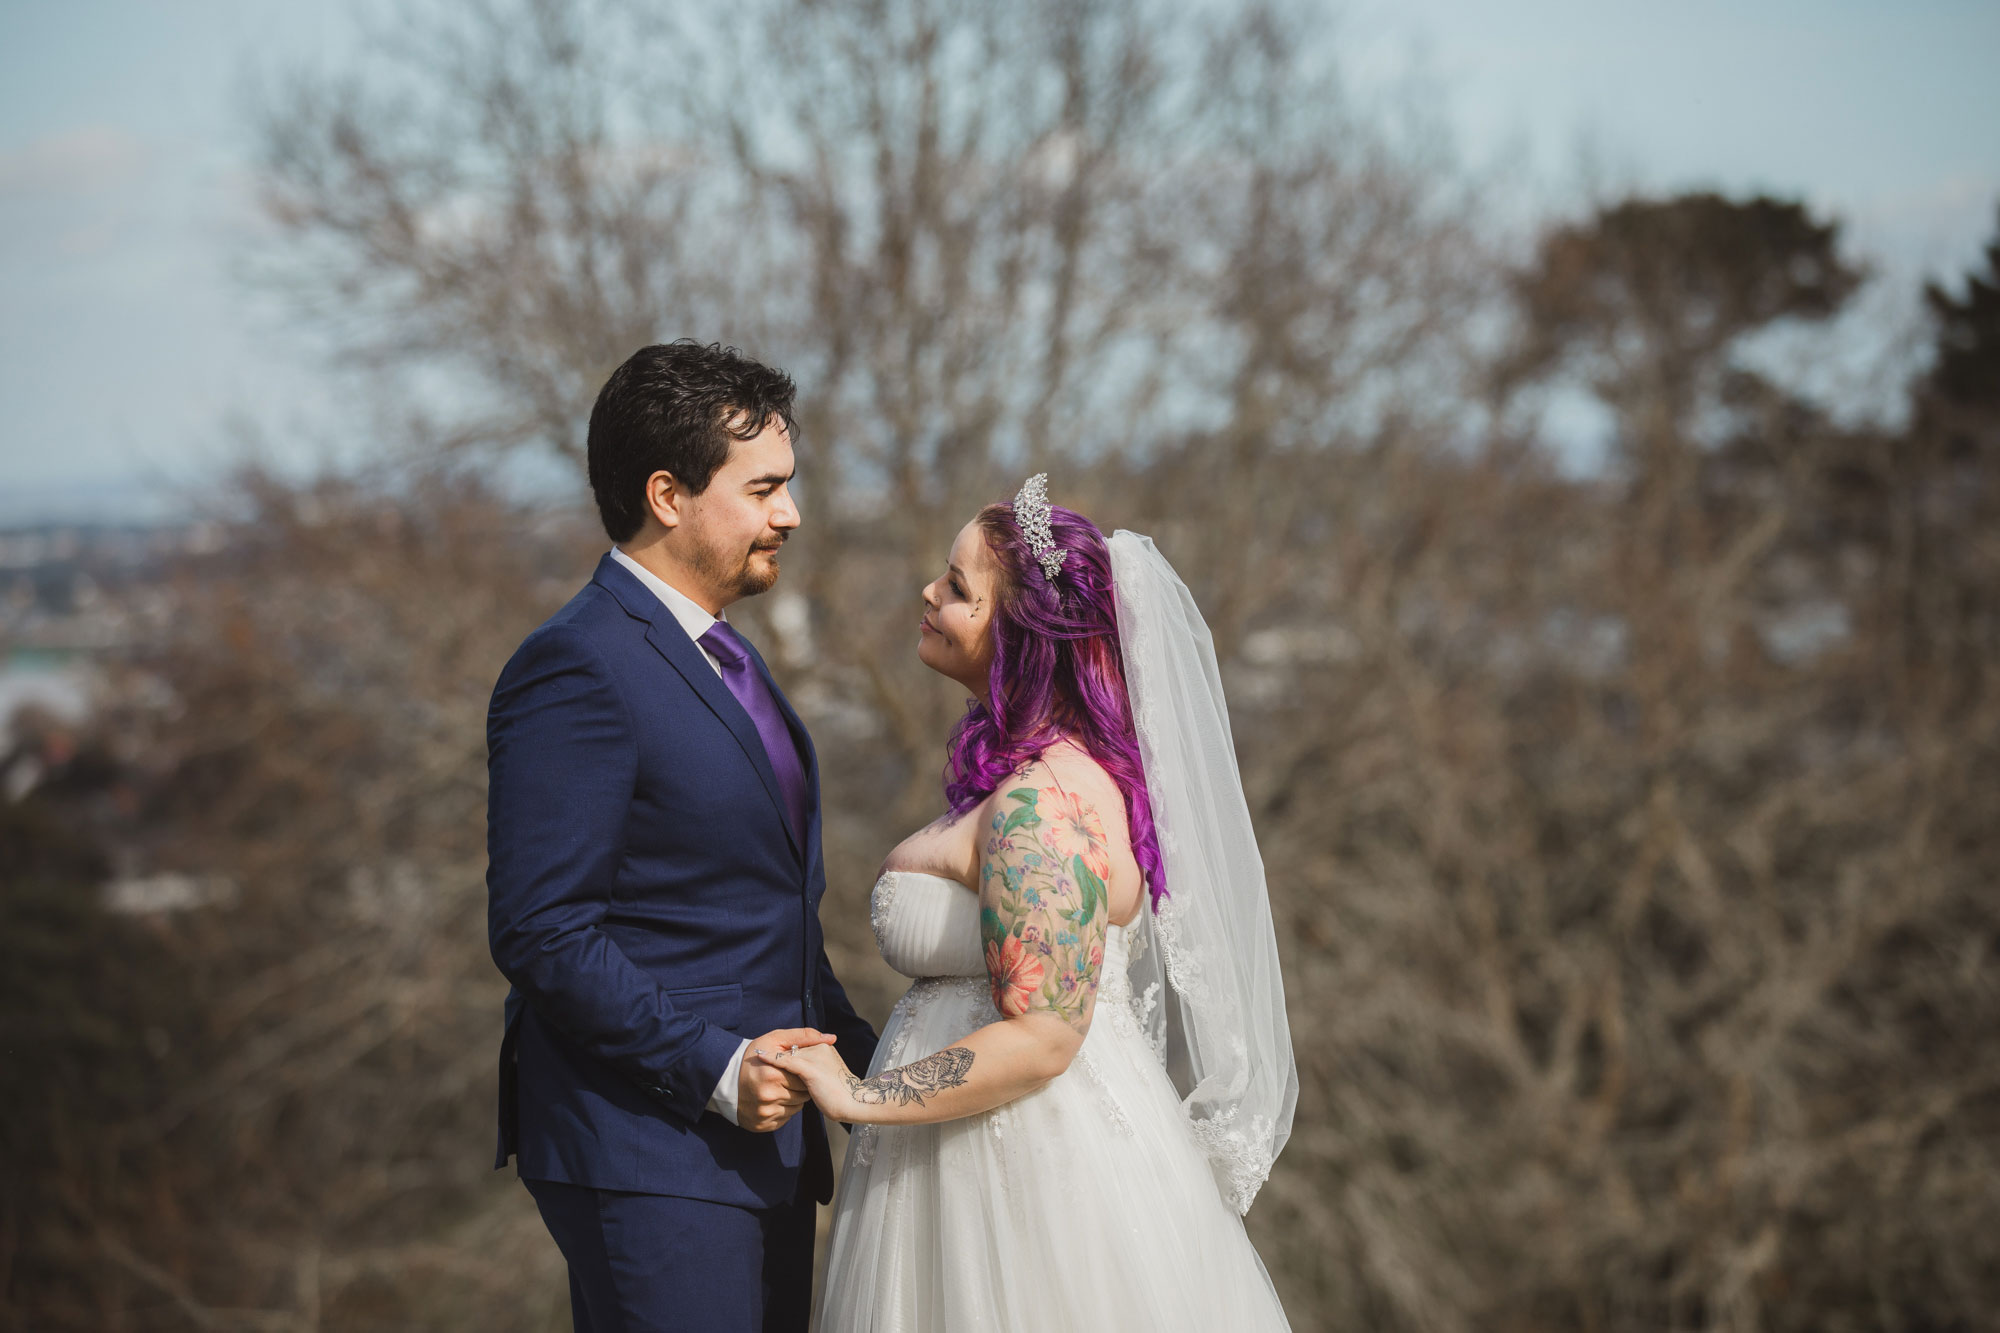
<point>676,407</point>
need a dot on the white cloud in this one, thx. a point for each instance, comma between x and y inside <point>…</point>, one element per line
<point>87,160</point>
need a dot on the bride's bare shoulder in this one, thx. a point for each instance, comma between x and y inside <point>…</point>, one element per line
<point>1068,805</point>
<point>1065,780</point>
<point>1070,768</point>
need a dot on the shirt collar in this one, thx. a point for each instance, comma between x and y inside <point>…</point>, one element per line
<point>692,617</point>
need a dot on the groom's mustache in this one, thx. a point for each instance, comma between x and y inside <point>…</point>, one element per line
<point>769,546</point>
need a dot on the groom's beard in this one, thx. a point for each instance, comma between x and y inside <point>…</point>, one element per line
<point>753,572</point>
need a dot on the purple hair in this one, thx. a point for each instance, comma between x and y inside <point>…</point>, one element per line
<point>1057,674</point>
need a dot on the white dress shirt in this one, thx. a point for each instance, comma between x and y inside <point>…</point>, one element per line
<point>696,622</point>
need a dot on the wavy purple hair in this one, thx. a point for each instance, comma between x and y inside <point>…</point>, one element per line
<point>1057,673</point>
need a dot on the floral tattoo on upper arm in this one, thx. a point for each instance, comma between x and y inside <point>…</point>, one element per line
<point>1043,904</point>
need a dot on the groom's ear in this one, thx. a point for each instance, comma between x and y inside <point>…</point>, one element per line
<point>664,497</point>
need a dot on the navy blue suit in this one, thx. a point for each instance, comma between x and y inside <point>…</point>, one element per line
<point>652,905</point>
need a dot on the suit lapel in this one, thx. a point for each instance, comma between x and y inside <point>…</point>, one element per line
<point>671,642</point>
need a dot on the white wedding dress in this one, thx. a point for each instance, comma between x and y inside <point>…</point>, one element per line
<point>1088,1205</point>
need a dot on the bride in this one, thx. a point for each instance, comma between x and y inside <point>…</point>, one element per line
<point>1078,1098</point>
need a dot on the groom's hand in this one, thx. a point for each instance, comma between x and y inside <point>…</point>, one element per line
<point>767,1094</point>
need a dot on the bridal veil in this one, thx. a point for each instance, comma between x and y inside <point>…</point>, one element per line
<point>1204,967</point>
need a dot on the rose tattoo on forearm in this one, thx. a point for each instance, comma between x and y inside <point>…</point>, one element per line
<point>909,1084</point>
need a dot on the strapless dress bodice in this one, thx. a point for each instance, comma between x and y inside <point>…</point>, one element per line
<point>928,926</point>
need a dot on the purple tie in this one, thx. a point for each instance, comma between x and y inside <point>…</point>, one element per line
<point>743,680</point>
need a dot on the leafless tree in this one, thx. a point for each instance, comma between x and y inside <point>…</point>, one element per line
<point>1627,833</point>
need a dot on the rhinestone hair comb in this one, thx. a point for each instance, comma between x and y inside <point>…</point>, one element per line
<point>1031,512</point>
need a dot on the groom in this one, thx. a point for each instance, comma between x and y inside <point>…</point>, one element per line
<point>654,878</point>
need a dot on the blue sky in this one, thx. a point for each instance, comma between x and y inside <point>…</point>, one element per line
<point>128,346</point>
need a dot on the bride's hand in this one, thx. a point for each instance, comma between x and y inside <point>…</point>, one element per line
<point>828,1081</point>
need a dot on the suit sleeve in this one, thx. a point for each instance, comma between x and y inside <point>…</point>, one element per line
<point>857,1038</point>
<point>562,764</point>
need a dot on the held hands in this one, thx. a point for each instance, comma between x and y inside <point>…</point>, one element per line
<point>940,1086</point>
<point>824,1077</point>
<point>768,1091</point>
